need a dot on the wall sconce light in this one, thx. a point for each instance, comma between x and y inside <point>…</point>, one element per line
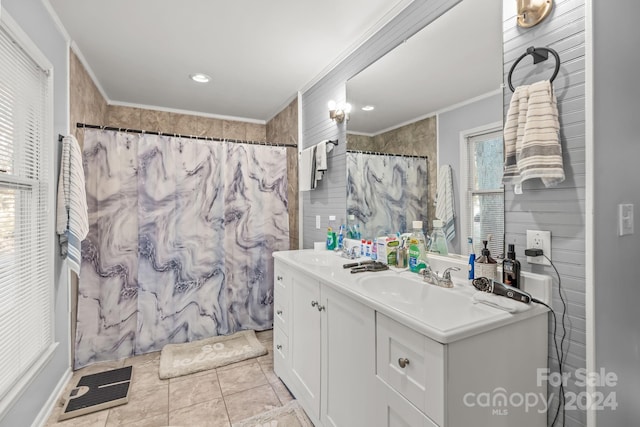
<point>532,12</point>
<point>339,112</point>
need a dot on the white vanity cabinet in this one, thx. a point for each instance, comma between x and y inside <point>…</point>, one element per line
<point>351,361</point>
<point>331,340</point>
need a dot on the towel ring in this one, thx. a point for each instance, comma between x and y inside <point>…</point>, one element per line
<point>539,54</point>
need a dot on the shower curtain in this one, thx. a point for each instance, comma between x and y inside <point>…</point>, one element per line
<point>180,241</point>
<point>386,192</point>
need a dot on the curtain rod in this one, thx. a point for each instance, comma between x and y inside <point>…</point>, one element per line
<point>177,135</point>
<point>377,153</point>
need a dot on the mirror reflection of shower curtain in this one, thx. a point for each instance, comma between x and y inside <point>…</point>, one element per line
<point>180,241</point>
<point>386,192</point>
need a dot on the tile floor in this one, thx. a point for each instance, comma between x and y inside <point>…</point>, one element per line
<point>213,398</point>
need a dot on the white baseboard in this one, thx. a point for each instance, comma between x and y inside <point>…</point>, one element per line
<point>50,404</point>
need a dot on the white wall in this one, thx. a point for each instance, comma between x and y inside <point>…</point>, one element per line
<point>616,99</point>
<point>35,21</point>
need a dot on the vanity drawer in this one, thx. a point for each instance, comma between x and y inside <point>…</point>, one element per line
<point>281,312</point>
<point>281,281</point>
<point>393,410</point>
<point>280,351</point>
<point>411,364</point>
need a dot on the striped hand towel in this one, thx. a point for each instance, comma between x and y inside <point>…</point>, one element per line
<point>445,208</point>
<point>531,136</point>
<point>72,223</point>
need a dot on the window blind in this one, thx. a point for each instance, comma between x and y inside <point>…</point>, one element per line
<point>485,193</point>
<point>26,229</point>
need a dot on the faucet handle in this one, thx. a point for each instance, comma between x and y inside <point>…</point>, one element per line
<point>447,275</point>
<point>426,272</point>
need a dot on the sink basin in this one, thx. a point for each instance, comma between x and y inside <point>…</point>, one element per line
<point>316,258</point>
<point>407,292</point>
<point>394,287</point>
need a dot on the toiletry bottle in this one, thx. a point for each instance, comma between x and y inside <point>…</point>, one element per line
<point>363,247</point>
<point>374,250</point>
<point>417,249</point>
<point>331,234</point>
<point>367,249</point>
<point>511,268</point>
<point>486,266</point>
<point>438,239</point>
<point>472,258</point>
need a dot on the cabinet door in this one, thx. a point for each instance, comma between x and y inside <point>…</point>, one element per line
<point>348,361</point>
<point>304,342</point>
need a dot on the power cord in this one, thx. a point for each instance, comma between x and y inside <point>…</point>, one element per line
<point>559,348</point>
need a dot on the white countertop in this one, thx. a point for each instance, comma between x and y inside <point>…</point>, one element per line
<point>442,314</point>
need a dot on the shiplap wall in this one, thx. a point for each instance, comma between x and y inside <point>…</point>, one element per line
<point>560,210</point>
<point>330,196</point>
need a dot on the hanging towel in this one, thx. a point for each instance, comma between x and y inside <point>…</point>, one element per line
<point>72,222</point>
<point>445,208</point>
<point>531,135</point>
<point>307,169</point>
<point>320,161</point>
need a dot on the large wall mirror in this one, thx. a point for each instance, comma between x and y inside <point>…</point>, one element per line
<point>409,110</point>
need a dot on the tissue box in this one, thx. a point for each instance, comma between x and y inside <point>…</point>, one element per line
<point>386,247</point>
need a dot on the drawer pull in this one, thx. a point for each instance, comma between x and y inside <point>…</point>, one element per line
<point>279,278</point>
<point>279,312</point>
<point>403,362</point>
<point>320,307</point>
<point>314,303</point>
<point>279,347</point>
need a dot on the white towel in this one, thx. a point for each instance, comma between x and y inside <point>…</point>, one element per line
<point>531,136</point>
<point>445,207</point>
<point>307,171</point>
<point>72,222</point>
<point>497,301</point>
<point>320,155</point>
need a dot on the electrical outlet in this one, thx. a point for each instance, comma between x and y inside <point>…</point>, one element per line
<point>537,239</point>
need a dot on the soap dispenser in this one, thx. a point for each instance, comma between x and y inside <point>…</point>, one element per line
<point>511,268</point>
<point>486,266</point>
<point>438,239</point>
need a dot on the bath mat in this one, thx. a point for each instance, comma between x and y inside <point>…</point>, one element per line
<point>96,392</point>
<point>202,355</point>
<point>289,415</point>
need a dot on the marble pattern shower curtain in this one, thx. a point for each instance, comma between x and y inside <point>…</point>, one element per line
<point>180,241</point>
<point>386,192</point>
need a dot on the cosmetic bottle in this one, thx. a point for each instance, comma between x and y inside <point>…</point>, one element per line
<point>486,266</point>
<point>511,268</point>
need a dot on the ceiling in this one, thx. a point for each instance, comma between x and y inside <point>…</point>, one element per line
<point>455,58</point>
<point>258,53</point>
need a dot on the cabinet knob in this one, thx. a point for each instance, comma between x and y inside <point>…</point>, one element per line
<point>279,347</point>
<point>279,278</point>
<point>320,307</point>
<point>279,312</point>
<point>314,303</point>
<point>403,362</point>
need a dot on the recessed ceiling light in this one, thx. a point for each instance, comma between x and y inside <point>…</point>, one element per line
<point>368,108</point>
<point>200,78</point>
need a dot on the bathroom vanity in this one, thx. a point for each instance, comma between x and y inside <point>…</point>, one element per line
<point>386,349</point>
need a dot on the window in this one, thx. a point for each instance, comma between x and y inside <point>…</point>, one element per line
<point>26,223</point>
<point>484,192</point>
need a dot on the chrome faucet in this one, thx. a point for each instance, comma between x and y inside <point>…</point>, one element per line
<point>432,277</point>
